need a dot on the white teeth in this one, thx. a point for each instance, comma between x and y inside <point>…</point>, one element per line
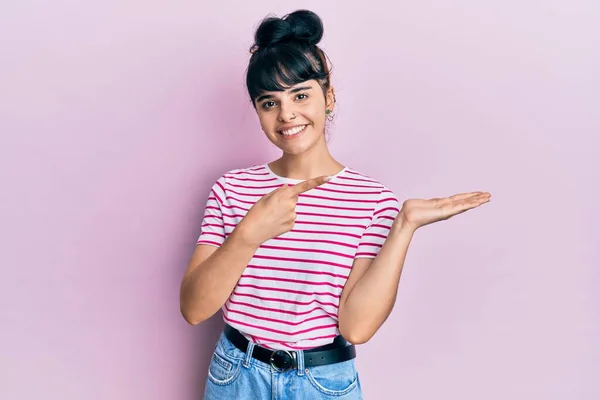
<point>293,131</point>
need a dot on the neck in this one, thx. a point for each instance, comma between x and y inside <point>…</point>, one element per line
<point>312,163</point>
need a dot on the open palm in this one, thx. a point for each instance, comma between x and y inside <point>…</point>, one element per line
<point>419,212</point>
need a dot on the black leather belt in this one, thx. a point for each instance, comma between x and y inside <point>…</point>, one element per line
<point>283,360</point>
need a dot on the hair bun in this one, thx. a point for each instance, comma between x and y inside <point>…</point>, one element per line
<point>300,26</point>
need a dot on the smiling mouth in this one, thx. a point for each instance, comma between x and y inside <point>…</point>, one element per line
<point>295,131</point>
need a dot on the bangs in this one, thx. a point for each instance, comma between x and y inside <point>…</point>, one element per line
<point>281,67</point>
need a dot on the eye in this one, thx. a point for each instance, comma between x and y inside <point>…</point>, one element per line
<point>302,96</point>
<point>268,104</point>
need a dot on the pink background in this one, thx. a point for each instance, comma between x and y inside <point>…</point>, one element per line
<point>117,116</point>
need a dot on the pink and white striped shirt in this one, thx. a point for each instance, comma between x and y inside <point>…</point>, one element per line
<point>288,295</point>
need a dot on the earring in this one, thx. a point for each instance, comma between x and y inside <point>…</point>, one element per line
<point>329,115</point>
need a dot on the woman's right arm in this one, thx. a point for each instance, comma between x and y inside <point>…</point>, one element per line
<point>213,272</point>
<point>212,275</point>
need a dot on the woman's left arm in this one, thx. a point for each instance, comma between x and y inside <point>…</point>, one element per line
<point>370,291</point>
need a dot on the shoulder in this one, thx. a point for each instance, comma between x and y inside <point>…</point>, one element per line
<point>386,203</point>
<point>251,173</point>
<point>239,179</point>
<point>366,181</point>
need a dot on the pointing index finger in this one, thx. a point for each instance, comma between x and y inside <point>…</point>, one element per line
<point>309,184</point>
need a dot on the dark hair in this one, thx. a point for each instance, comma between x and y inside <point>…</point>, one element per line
<point>285,53</point>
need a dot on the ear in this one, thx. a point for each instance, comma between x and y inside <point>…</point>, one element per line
<point>330,98</point>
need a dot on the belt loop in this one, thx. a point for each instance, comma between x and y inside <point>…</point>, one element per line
<point>249,354</point>
<point>300,362</point>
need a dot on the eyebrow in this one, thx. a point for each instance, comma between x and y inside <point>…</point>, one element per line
<point>294,90</point>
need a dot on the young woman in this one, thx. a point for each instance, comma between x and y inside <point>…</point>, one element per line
<point>303,255</point>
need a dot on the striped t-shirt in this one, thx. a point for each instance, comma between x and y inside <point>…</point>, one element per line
<point>288,295</point>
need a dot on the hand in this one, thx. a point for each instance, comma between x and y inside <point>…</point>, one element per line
<point>275,213</point>
<point>416,213</point>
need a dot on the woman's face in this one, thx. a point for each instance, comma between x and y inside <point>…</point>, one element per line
<point>294,119</point>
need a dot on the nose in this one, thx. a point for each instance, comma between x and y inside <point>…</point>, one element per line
<point>286,112</point>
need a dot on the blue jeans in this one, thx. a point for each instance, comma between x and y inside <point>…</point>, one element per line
<point>233,374</point>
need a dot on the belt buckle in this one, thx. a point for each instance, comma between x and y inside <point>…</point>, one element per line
<point>283,356</point>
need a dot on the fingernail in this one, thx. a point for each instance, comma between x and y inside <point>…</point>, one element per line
<point>328,178</point>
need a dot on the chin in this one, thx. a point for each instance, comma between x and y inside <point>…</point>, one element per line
<point>296,146</point>
<point>293,152</point>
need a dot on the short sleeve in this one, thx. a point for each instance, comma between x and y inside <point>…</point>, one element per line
<point>384,215</point>
<point>213,228</point>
